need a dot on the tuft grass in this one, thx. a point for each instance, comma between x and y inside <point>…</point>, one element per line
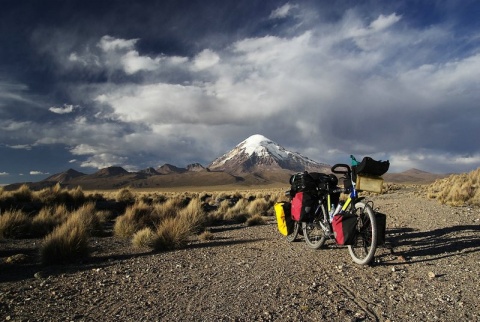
<point>136,217</point>
<point>206,235</point>
<point>255,220</point>
<point>457,190</point>
<point>143,238</point>
<point>69,241</point>
<point>172,233</point>
<point>14,224</point>
<point>125,195</point>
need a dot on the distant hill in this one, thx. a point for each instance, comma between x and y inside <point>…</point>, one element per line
<point>412,176</point>
<point>65,176</point>
<point>256,161</point>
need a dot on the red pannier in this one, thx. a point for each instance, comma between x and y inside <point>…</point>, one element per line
<point>344,228</point>
<point>302,206</point>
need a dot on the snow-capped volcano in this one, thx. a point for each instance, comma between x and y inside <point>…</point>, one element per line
<point>260,153</point>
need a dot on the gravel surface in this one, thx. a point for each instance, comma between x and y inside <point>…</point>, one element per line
<point>427,271</point>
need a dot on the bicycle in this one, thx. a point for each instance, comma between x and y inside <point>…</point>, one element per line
<point>318,228</point>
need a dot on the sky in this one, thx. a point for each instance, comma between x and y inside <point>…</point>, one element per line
<point>137,84</point>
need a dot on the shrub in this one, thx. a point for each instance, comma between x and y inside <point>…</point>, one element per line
<point>135,218</point>
<point>194,215</point>
<point>143,238</point>
<point>259,207</point>
<point>125,195</point>
<point>457,190</point>
<point>172,233</point>
<point>77,195</point>
<point>14,224</point>
<point>54,195</point>
<point>238,212</point>
<point>255,220</point>
<point>69,241</point>
<point>47,219</point>
<point>23,194</point>
<point>87,216</point>
<point>206,235</point>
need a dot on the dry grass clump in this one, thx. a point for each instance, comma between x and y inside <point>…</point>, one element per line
<point>23,194</point>
<point>69,241</point>
<point>48,218</point>
<point>457,190</point>
<point>14,224</point>
<point>206,235</point>
<point>125,195</point>
<point>255,220</point>
<point>259,206</point>
<point>143,238</point>
<point>173,232</point>
<point>136,217</point>
<point>238,212</point>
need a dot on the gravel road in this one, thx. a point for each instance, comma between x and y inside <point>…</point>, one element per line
<point>428,271</point>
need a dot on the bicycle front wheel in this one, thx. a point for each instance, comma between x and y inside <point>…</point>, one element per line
<point>363,249</point>
<point>291,237</point>
<point>313,233</point>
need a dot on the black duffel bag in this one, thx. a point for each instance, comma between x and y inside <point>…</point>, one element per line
<point>371,167</point>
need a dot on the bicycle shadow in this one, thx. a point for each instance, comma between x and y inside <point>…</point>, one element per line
<point>424,246</point>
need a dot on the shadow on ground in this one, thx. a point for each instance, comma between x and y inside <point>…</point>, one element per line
<point>424,246</point>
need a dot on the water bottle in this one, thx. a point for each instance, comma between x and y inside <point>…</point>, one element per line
<point>339,208</point>
<point>332,210</point>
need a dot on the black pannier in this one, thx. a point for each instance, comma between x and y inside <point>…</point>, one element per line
<point>303,182</point>
<point>312,182</point>
<point>381,220</point>
<point>323,180</point>
<point>371,167</point>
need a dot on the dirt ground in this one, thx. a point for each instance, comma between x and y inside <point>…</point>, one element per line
<point>427,271</point>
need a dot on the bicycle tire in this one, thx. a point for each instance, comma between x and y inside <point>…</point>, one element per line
<point>313,232</point>
<point>291,237</point>
<point>365,244</point>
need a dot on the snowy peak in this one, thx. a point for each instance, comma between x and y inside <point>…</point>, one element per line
<point>260,153</point>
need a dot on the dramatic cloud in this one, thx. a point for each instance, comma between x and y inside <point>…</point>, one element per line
<point>327,81</point>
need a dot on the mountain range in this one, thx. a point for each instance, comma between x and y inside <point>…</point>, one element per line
<point>253,162</point>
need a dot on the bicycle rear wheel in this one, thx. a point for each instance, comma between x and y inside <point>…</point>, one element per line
<point>291,237</point>
<point>363,249</point>
<point>313,233</point>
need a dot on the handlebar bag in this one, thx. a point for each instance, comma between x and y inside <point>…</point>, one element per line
<point>302,206</point>
<point>371,167</point>
<point>284,217</point>
<point>344,228</point>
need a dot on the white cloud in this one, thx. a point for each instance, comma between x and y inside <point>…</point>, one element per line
<point>12,125</point>
<point>36,173</point>
<point>282,11</point>
<point>384,22</point>
<point>104,160</point>
<point>109,43</point>
<point>67,108</point>
<point>206,59</point>
<point>133,62</point>
<point>20,146</point>
<point>4,173</point>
